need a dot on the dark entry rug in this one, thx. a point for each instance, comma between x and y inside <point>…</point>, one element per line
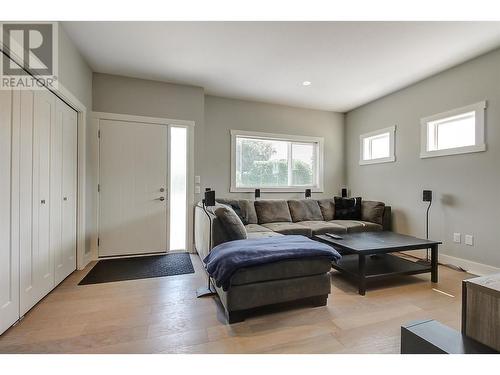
<point>110,270</point>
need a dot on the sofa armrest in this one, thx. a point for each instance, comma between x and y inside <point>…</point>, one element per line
<point>387,218</point>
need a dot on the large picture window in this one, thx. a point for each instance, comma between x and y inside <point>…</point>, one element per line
<point>275,162</point>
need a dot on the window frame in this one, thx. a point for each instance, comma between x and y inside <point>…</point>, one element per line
<point>392,155</point>
<point>319,141</point>
<point>479,145</point>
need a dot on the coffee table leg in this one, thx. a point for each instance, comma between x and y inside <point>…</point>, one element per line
<point>434,263</point>
<point>362,274</point>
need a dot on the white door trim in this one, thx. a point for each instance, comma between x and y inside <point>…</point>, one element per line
<point>82,258</point>
<point>95,117</point>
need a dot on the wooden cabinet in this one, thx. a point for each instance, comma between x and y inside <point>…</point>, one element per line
<point>38,164</point>
<point>481,310</point>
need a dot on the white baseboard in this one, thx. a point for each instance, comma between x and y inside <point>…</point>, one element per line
<point>468,265</point>
<point>474,268</point>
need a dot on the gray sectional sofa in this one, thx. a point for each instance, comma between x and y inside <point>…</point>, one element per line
<point>293,280</point>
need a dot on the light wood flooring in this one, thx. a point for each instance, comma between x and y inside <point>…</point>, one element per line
<point>163,315</point>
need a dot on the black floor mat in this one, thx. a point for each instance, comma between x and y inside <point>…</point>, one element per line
<point>110,270</point>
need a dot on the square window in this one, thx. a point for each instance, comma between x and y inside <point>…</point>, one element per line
<point>377,146</point>
<point>454,132</point>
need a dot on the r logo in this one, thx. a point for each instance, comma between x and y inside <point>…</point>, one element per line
<point>33,44</point>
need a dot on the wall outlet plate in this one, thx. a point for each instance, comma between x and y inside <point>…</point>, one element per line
<point>469,239</point>
<point>457,237</point>
<point>197,179</point>
<point>197,190</point>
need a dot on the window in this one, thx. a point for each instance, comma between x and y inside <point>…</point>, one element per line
<point>377,146</point>
<point>457,131</point>
<point>275,162</point>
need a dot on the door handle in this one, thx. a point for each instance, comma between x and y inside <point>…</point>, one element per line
<point>162,190</point>
<point>161,199</point>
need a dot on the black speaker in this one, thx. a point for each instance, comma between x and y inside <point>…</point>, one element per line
<point>427,195</point>
<point>308,193</point>
<point>257,193</point>
<point>344,192</point>
<point>209,198</point>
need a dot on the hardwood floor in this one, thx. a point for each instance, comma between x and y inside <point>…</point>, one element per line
<point>163,315</point>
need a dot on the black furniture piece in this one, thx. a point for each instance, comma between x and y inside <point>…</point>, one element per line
<point>366,256</point>
<point>208,201</point>
<point>432,337</point>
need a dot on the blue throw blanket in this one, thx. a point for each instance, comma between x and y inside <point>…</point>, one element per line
<point>227,258</point>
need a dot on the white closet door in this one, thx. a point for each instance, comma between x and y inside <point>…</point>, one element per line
<point>37,259</point>
<point>9,255</point>
<point>69,196</point>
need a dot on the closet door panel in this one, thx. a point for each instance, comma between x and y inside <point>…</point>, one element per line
<point>56,203</point>
<point>44,111</point>
<point>37,263</point>
<point>69,185</point>
<point>28,292</point>
<point>9,253</point>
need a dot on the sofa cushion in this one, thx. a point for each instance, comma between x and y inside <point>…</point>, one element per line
<point>231,223</point>
<point>253,228</point>
<point>272,211</point>
<point>247,210</point>
<point>269,233</point>
<point>289,228</point>
<point>327,207</point>
<point>322,227</point>
<point>304,209</point>
<point>355,226</point>
<point>347,208</point>
<point>286,269</point>
<point>372,211</point>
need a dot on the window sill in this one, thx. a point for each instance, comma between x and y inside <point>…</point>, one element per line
<point>453,151</point>
<point>234,189</point>
<point>377,161</point>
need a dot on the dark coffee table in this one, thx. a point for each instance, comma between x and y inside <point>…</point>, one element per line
<point>366,256</point>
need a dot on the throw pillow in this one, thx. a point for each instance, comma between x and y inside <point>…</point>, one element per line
<point>347,208</point>
<point>235,205</point>
<point>231,223</point>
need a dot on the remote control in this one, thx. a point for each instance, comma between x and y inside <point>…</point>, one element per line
<point>334,236</point>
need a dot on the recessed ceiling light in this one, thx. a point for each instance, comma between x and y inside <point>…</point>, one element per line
<point>306,83</point>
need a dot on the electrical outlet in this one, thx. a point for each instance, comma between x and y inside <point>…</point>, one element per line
<point>469,239</point>
<point>197,190</point>
<point>457,237</point>
<point>197,179</point>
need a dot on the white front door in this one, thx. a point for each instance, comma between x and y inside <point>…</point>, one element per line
<point>133,188</point>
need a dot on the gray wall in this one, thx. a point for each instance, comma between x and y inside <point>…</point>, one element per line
<point>465,186</point>
<point>75,75</point>
<point>132,96</point>
<point>223,114</point>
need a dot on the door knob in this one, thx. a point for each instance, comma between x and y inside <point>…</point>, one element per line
<point>65,198</point>
<point>162,190</point>
<point>42,201</point>
<point>162,198</point>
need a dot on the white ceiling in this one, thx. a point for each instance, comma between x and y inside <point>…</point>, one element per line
<point>348,63</point>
